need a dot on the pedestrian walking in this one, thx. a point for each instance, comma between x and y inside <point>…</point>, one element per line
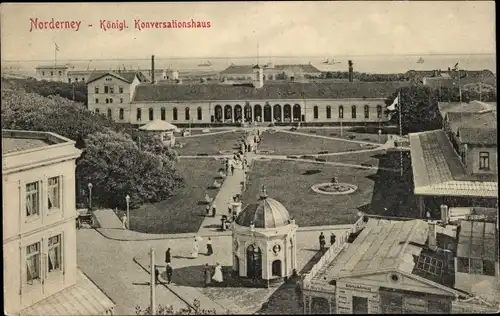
<point>332,239</point>
<point>322,241</point>
<point>210,250</point>
<point>208,275</point>
<point>170,272</point>
<point>168,257</point>
<point>214,210</point>
<point>157,275</point>
<point>218,274</point>
<point>428,216</point>
<point>232,170</point>
<point>196,249</point>
<point>124,221</point>
<point>222,223</point>
<point>207,210</point>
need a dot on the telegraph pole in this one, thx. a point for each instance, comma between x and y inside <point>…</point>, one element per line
<point>153,282</point>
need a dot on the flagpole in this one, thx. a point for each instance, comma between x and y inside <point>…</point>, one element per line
<point>400,132</point>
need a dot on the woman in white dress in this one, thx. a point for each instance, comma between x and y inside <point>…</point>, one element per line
<point>196,248</point>
<point>218,274</point>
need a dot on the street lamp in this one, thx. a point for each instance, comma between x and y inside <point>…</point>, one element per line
<point>90,195</point>
<point>127,198</point>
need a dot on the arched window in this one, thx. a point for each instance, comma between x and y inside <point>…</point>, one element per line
<point>315,110</point>
<point>199,114</point>
<point>151,114</point>
<point>367,111</point>
<point>107,100</point>
<point>379,111</point>
<point>110,100</point>
<point>139,114</point>
<point>174,114</point>
<point>353,111</point>
<point>109,113</point>
<point>121,116</point>
<point>163,114</point>
<point>328,112</point>
<point>341,112</point>
<point>187,117</point>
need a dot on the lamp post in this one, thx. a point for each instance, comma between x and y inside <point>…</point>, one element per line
<point>90,195</point>
<point>127,199</point>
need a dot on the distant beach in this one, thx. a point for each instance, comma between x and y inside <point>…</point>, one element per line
<point>367,64</point>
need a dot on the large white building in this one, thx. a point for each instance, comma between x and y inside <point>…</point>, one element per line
<point>52,73</point>
<point>350,103</point>
<point>40,270</point>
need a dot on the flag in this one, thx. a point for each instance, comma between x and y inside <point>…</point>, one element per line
<point>394,105</point>
<point>57,47</point>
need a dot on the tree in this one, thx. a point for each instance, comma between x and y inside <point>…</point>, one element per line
<point>419,109</point>
<point>169,310</point>
<point>116,167</point>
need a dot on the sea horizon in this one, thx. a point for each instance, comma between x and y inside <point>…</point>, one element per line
<point>383,64</point>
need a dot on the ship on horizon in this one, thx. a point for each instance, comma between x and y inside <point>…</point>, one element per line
<point>331,62</point>
<point>420,60</point>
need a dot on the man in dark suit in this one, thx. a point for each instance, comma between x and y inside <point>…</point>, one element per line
<point>170,271</point>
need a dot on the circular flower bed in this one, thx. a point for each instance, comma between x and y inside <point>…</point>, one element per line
<point>329,188</point>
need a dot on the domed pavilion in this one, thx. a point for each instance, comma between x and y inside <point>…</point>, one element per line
<point>264,242</point>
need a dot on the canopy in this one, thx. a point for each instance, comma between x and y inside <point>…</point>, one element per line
<point>158,126</point>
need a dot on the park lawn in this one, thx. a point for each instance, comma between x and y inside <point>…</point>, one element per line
<point>370,158</point>
<point>199,131</point>
<point>335,132</point>
<point>209,144</point>
<point>182,212</point>
<point>279,143</point>
<point>289,183</point>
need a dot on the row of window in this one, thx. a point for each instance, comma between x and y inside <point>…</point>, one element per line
<point>33,196</point>
<point>475,266</point>
<point>76,80</point>
<point>163,114</point>
<point>52,251</point>
<point>108,100</point>
<point>109,89</point>
<point>52,73</point>
<point>484,159</point>
<point>353,111</point>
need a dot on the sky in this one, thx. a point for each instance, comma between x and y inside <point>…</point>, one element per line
<point>243,29</point>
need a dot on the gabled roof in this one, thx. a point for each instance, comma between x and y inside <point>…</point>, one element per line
<point>238,70</point>
<point>437,169</point>
<point>126,76</point>
<point>305,68</point>
<point>270,91</point>
<point>478,136</point>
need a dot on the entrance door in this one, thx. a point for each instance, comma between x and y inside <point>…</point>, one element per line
<point>359,305</point>
<point>267,113</point>
<point>254,262</point>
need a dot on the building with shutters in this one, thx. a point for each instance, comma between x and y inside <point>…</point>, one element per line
<point>40,270</point>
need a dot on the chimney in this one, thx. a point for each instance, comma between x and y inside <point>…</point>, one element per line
<point>153,69</point>
<point>432,241</point>
<point>350,71</point>
<point>445,214</point>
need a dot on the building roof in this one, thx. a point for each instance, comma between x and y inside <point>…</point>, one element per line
<point>270,91</point>
<point>462,107</point>
<point>159,126</point>
<point>266,213</point>
<point>302,68</point>
<point>80,72</point>
<point>384,245</point>
<point>14,141</point>
<point>478,240</point>
<point>238,70</point>
<point>127,76</point>
<point>83,298</point>
<point>437,169</point>
<point>478,136</point>
<point>52,67</point>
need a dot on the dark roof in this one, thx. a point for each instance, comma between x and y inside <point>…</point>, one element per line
<point>478,136</point>
<point>306,68</point>
<point>266,213</point>
<point>237,70</point>
<point>52,67</point>
<point>127,76</point>
<point>478,240</point>
<point>470,73</point>
<point>20,140</point>
<point>270,91</point>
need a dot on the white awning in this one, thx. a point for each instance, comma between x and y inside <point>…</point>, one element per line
<point>83,298</point>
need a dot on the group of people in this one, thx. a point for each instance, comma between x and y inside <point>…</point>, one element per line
<point>322,241</point>
<point>169,271</point>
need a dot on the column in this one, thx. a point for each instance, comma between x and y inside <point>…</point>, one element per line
<point>330,305</point>
<point>282,114</point>
<point>223,115</point>
<point>304,300</point>
<point>310,304</point>
<point>272,114</point>
<point>253,114</point>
